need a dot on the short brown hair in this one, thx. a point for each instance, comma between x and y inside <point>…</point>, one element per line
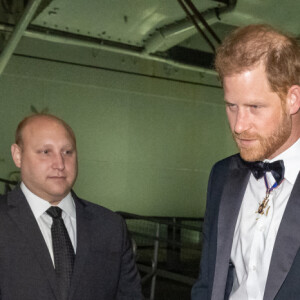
<point>251,45</point>
<point>28,119</point>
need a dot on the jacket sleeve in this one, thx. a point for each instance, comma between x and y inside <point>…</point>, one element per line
<point>129,287</point>
<point>202,288</point>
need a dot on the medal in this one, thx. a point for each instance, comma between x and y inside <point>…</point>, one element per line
<point>264,205</point>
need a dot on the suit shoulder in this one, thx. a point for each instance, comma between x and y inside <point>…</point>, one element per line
<point>100,211</point>
<point>230,162</point>
<point>226,166</point>
<point>3,201</point>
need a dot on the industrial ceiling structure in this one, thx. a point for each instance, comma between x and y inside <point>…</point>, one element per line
<point>181,34</point>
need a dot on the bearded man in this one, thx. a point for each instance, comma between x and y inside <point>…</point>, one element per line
<point>251,231</point>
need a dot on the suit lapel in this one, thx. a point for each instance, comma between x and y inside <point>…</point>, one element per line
<point>20,212</point>
<point>84,229</point>
<point>286,245</point>
<point>234,189</point>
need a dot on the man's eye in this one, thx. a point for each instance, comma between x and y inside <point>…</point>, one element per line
<point>231,106</point>
<point>45,151</point>
<point>68,152</point>
<point>255,107</point>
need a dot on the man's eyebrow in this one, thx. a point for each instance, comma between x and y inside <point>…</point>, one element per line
<point>69,146</point>
<point>228,102</point>
<point>45,145</point>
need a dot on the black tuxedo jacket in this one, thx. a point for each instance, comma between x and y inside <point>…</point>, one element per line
<point>104,266</point>
<point>226,188</point>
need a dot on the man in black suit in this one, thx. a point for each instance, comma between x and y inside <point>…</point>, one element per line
<point>251,231</point>
<point>54,245</point>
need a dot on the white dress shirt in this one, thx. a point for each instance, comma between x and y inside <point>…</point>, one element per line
<point>39,207</point>
<point>255,234</point>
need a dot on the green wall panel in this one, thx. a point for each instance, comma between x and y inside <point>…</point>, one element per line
<point>145,145</point>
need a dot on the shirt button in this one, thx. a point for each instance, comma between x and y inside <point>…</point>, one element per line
<point>253,268</point>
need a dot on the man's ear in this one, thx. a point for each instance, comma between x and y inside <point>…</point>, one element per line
<point>293,99</point>
<point>16,153</point>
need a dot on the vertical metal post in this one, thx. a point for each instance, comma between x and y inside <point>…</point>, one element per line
<point>154,262</point>
<point>9,49</point>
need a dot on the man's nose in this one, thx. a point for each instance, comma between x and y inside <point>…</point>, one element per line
<point>58,162</point>
<point>242,122</point>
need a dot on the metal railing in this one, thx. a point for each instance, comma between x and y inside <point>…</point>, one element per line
<point>166,247</point>
<point>7,184</point>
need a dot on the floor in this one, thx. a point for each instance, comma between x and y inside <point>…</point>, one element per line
<point>166,289</point>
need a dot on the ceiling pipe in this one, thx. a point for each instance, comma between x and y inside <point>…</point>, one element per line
<point>175,33</point>
<point>202,20</point>
<point>185,6</point>
<point>94,44</point>
<point>18,32</point>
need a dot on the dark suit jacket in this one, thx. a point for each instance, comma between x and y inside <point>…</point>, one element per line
<point>104,266</point>
<point>226,188</point>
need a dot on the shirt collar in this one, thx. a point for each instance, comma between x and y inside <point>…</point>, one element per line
<point>39,205</point>
<point>291,159</point>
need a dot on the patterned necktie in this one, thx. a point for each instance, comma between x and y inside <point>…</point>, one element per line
<point>63,251</point>
<point>259,169</point>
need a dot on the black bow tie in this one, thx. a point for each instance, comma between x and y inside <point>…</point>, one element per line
<point>259,169</point>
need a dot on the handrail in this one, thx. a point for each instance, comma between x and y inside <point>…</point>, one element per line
<point>8,181</point>
<point>157,241</point>
<point>175,243</point>
<point>161,220</point>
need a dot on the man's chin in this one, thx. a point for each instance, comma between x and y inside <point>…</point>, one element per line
<point>250,155</point>
<point>56,194</point>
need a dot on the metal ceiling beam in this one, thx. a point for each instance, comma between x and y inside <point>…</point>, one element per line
<point>18,32</point>
<point>95,44</point>
<point>175,33</point>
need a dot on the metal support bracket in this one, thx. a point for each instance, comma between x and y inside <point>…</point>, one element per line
<point>18,32</point>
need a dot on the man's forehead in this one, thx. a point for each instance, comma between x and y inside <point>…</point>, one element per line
<point>42,123</point>
<point>44,126</point>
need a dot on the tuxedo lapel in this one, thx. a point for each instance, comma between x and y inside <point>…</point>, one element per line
<point>21,214</point>
<point>286,245</point>
<point>233,193</point>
